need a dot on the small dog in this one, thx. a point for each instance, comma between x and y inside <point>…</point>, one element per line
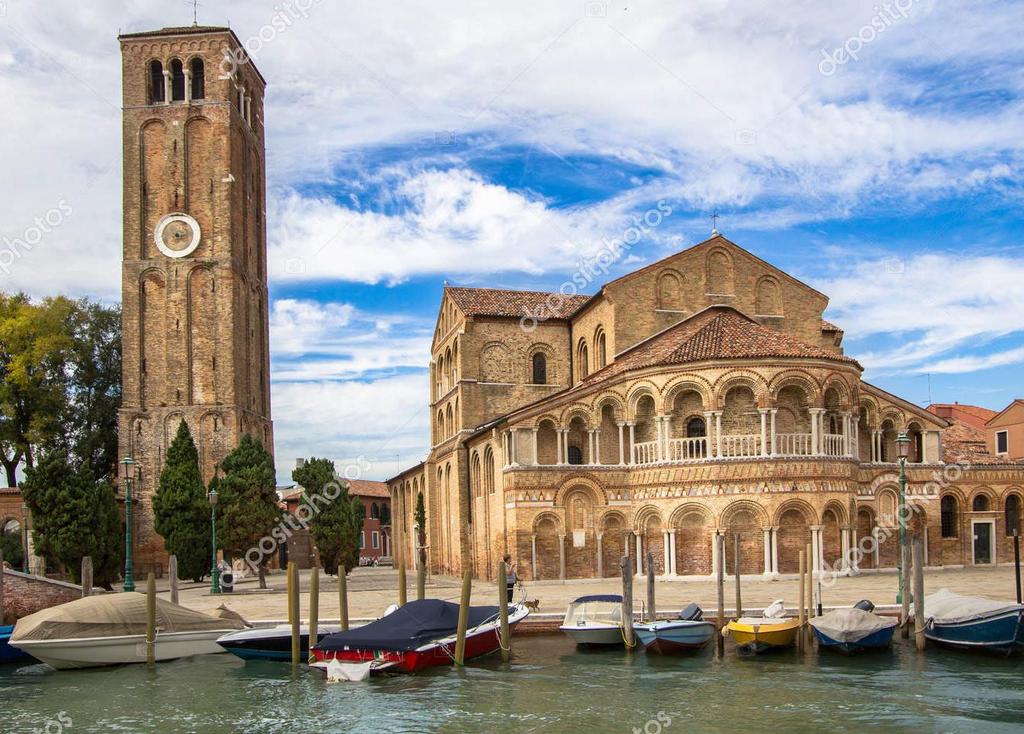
<point>532,604</point>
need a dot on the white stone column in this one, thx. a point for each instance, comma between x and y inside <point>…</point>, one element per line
<point>815,548</point>
<point>767,542</point>
<point>775,550</point>
<point>533,555</point>
<point>600,555</point>
<point>188,85</point>
<point>561,557</point>
<point>716,557</point>
<point>597,446</point>
<point>622,446</point>
<point>536,454</point>
<point>558,445</point>
<point>665,551</point>
<point>878,546</point>
<point>815,433</point>
<point>639,554</point>
<point>672,552</point>
<point>774,449</point>
<point>167,87</point>
<point>718,433</point>
<point>632,442</point>
<point>924,541</point>
<point>764,430</point>
<point>514,447</point>
<point>844,561</point>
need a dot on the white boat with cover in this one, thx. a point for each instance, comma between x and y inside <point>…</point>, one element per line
<point>595,620</point>
<point>110,629</point>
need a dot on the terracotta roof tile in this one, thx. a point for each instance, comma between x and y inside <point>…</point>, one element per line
<point>366,488</point>
<point>497,302</point>
<point>972,414</point>
<point>968,444</point>
<point>717,332</point>
<point>829,326</point>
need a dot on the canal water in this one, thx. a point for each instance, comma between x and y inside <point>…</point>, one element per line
<point>550,687</point>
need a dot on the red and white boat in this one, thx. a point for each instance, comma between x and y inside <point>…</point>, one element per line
<point>419,635</point>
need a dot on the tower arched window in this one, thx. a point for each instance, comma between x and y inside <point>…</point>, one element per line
<point>582,359</point>
<point>695,428</point>
<point>540,369</point>
<point>177,81</point>
<point>156,82</point>
<point>948,516</point>
<point>575,455</point>
<point>198,78</point>
<point>980,503</point>
<point>600,349</point>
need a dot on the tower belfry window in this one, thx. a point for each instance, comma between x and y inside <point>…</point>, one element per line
<point>177,81</point>
<point>156,82</point>
<point>198,78</point>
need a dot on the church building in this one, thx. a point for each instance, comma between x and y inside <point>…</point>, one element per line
<point>704,394</point>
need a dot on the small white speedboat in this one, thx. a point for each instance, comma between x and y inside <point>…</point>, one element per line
<point>595,620</point>
<point>110,629</point>
<point>688,632</point>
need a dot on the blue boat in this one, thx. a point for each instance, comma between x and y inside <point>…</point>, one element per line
<point>854,629</point>
<point>9,654</point>
<point>974,622</point>
<point>271,643</point>
<point>688,632</point>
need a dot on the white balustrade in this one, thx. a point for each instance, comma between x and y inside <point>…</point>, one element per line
<point>645,453</point>
<point>741,446</point>
<point>834,444</point>
<point>688,449</point>
<point>793,444</point>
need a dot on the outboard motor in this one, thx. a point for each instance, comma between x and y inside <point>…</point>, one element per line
<point>692,613</point>
<point>865,605</point>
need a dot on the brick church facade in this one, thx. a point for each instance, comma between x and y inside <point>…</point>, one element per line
<point>194,276</point>
<point>704,394</point>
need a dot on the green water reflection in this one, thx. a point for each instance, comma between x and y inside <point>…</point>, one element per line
<point>550,687</point>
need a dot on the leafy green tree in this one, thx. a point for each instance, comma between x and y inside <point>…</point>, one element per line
<point>181,508</point>
<point>11,543</point>
<point>73,516</point>
<point>247,508</point>
<point>335,517</point>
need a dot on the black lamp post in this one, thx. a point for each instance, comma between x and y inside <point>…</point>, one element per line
<point>903,449</point>
<point>129,475</point>
<point>214,571</point>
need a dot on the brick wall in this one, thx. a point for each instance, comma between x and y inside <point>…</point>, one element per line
<point>26,594</point>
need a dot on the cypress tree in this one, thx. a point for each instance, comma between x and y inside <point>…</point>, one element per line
<point>247,508</point>
<point>181,509</point>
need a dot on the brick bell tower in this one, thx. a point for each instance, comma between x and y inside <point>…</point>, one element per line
<point>194,274</point>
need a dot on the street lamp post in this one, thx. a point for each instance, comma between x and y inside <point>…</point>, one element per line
<point>129,474</point>
<point>24,528</point>
<point>903,449</point>
<point>214,571</point>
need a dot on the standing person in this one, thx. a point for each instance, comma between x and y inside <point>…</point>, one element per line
<point>510,576</point>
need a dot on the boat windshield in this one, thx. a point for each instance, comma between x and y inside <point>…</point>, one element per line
<point>584,612</point>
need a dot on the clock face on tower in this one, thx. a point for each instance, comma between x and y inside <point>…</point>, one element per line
<point>177,235</point>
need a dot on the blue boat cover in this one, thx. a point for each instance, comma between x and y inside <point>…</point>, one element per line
<point>407,628</point>
<point>599,597</point>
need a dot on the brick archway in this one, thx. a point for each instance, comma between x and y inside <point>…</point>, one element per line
<point>794,535</point>
<point>746,522</point>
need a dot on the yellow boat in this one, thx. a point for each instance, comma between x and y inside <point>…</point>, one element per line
<point>758,634</point>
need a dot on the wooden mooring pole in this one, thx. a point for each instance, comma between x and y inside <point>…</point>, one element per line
<point>905,591</point>
<point>314,607</point>
<point>172,575</point>
<point>293,606</point>
<point>2,617</point>
<point>150,619</point>
<point>342,598</point>
<point>736,571</point>
<point>809,601</point>
<point>627,600</point>
<point>1016,560</point>
<point>720,542</point>
<point>87,576</point>
<point>460,632</point>
<point>919,612</point>
<point>506,638</point>
<point>402,590</point>
<point>652,614</point>
<point>421,577</point>
<point>802,617</point>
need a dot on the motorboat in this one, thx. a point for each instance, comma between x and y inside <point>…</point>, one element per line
<point>271,643</point>
<point>595,620</point>
<point>688,632</point>
<point>771,631</point>
<point>9,654</point>
<point>974,622</point>
<point>418,635</point>
<point>110,629</point>
<point>854,628</point>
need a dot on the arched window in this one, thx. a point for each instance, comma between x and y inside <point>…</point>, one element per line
<point>540,369</point>
<point>582,360</point>
<point>600,349</point>
<point>177,81</point>
<point>1012,513</point>
<point>156,82</point>
<point>948,513</point>
<point>575,455</point>
<point>198,78</point>
<point>980,503</point>
<point>695,428</point>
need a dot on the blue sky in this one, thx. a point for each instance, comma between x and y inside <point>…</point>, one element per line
<point>497,146</point>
